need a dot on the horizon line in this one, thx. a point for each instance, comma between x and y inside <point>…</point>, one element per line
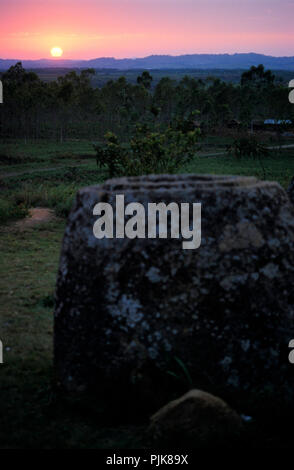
<point>59,59</point>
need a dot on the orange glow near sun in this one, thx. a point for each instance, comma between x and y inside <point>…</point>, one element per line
<point>56,51</point>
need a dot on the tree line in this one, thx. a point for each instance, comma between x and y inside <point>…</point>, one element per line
<point>70,107</point>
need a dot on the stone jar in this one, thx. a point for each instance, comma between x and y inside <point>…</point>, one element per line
<point>220,317</point>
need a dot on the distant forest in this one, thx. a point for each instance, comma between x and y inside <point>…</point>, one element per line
<point>75,105</point>
<point>102,76</point>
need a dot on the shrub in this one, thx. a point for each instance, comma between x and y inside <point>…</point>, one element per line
<point>248,146</point>
<point>59,198</point>
<point>147,152</point>
<point>10,210</point>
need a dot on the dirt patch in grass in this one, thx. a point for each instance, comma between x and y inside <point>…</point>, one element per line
<point>36,216</point>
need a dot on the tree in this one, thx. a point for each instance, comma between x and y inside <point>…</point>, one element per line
<point>258,77</point>
<point>145,80</point>
<point>23,95</point>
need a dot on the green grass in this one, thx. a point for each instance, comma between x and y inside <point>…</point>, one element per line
<point>278,167</point>
<point>41,184</point>
<point>18,155</point>
<point>9,209</point>
<point>33,414</point>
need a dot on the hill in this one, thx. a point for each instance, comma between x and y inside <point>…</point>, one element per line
<point>190,61</point>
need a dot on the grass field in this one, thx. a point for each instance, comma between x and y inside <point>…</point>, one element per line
<point>49,174</point>
<point>33,415</point>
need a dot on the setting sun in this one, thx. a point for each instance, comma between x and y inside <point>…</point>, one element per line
<point>56,52</point>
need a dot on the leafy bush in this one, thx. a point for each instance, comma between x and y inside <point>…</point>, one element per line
<point>248,146</point>
<point>63,207</point>
<point>147,152</point>
<point>10,210</point>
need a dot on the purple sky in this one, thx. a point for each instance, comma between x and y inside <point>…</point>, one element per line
<point>135,28</point>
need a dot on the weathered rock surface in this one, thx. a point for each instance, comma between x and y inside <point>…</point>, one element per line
<point>195,419</point>
<point>125,309</point>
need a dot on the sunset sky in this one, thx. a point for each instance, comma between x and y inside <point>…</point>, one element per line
<point>86,29</point>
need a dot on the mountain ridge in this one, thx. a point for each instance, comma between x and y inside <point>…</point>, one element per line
<point>164,61</point>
